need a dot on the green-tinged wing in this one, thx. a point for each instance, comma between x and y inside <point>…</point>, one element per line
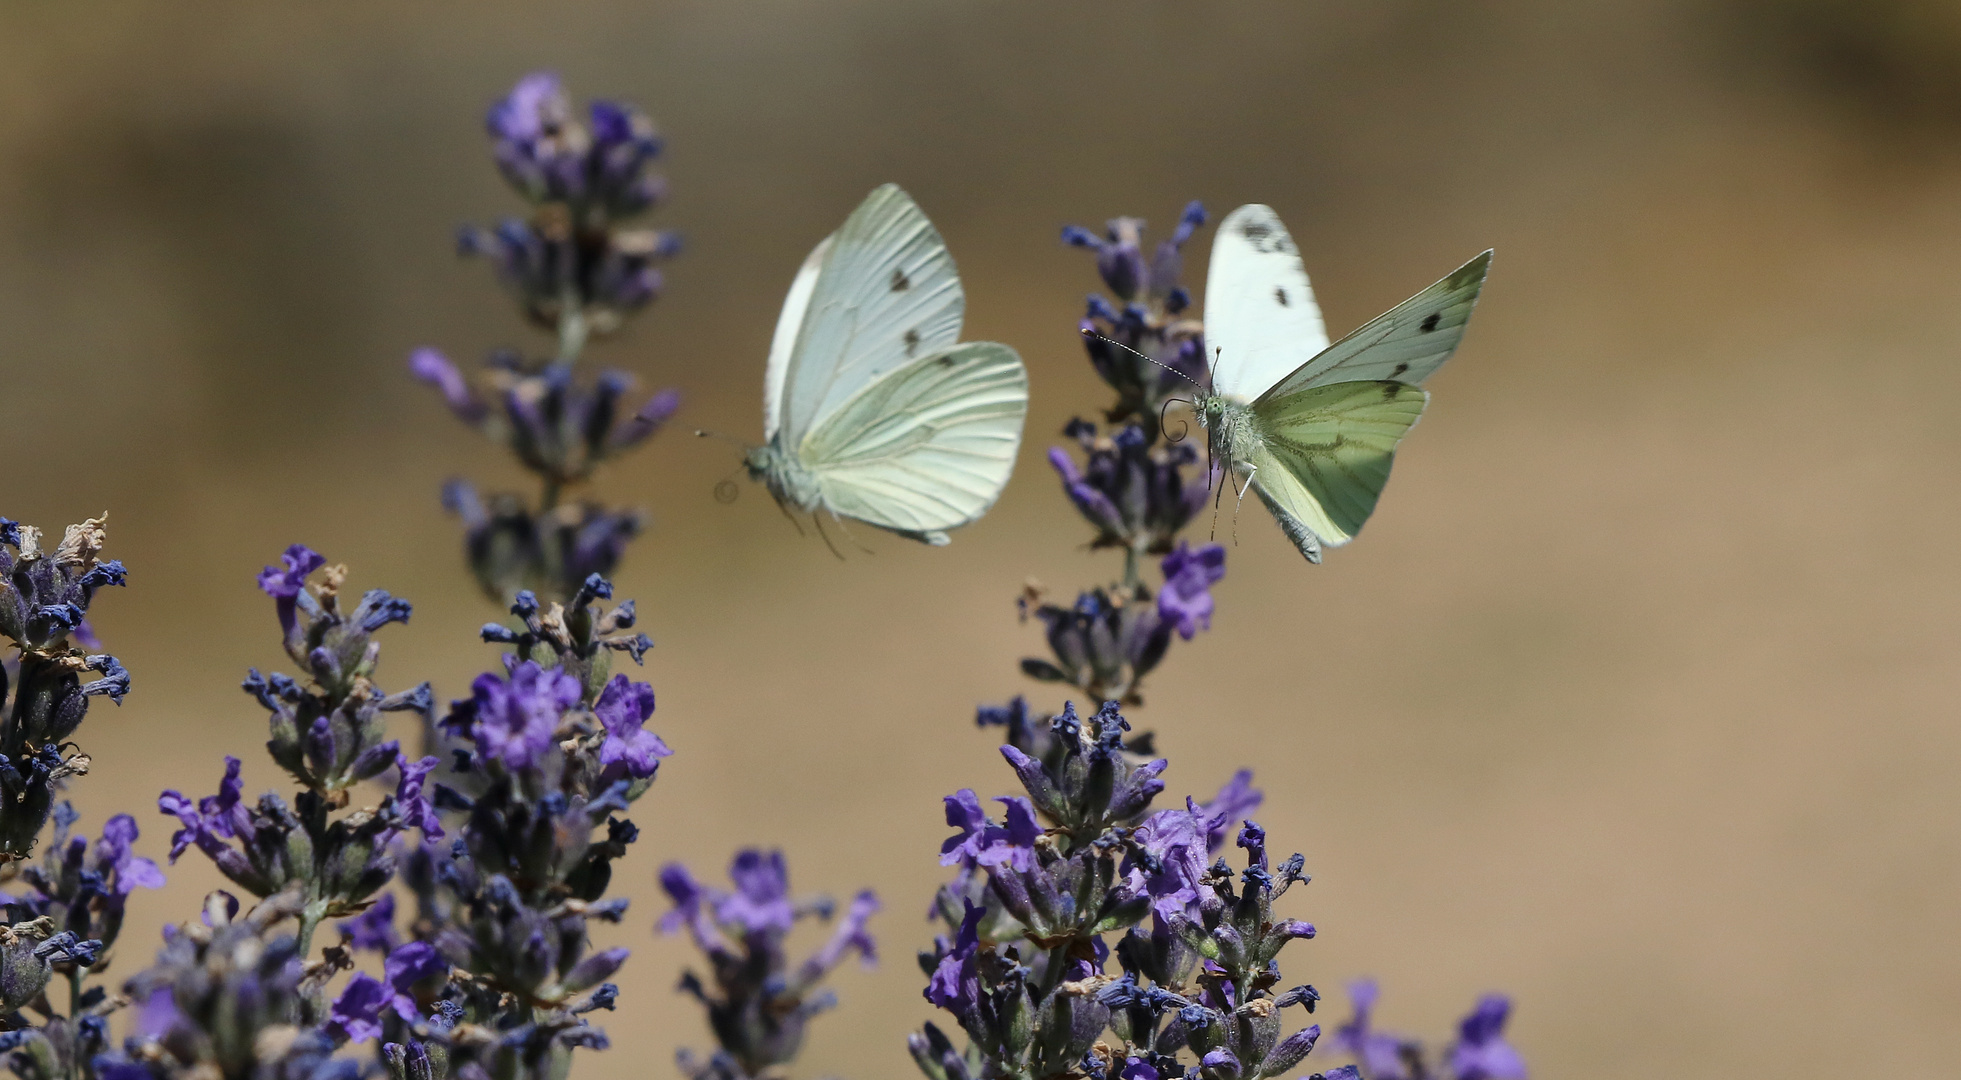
<point>1325,453</point>
<point>1407,344</point>
<point>928,446</point>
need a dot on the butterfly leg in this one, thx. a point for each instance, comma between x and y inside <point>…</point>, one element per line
<point>819,522</point>
<point>1250,470</point>
<point>792,519</point>
<point>846,530</point>
<point>1217,494</point>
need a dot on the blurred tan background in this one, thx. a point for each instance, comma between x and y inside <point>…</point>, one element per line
<point>1636,700</point>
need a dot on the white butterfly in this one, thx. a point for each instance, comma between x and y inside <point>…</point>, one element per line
<point>871,407</point>
<point>1311,427</point>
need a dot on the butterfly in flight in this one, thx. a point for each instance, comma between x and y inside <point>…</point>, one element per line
<point>1311,427</point>
<point>872,407</point>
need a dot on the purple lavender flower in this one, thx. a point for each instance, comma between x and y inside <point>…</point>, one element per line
<point>373,929</point>
<point>115,860</point>
<point>1189,574</point>
<point>432,367</point>
<point>1380,1053</point>
<point>287,583</point>
<point>1481,1052</point>
<point>955,983</point>
<point>1119,258</point>
<point>357,1011</point>
<point>761,900</point>
<point>983,843</point>
<point>629,750</point>
<point>413,798</point>
<point>1233,802</point>
<point>849,936</point>
<point>537,146</point>
<point>513,721</point>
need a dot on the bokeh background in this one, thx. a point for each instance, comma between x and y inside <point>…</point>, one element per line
<point>1636,699</point>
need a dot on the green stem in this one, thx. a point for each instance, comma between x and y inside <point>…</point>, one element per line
<point>1130,574</point>
<point>572,327</point>
<point>310,917</point>
<point>74,992</point>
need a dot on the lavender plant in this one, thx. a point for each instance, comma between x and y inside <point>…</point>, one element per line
<point>509,857</point>
<point>1080,868</point>
<point>576,271</point>
<point>504,835</point>
<point>70,909</point>
<point>758,1006</point>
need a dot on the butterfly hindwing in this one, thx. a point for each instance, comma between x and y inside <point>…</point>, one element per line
<point>884,293</point>
<point>928,446</point>
<point>1325,453</point>
<point>1407,344</point>
<point>1261,319</point>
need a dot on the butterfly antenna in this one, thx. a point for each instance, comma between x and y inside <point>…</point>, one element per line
<point>701,434</point>
<point>1184,427</point>
<point>819,521</point>
<point>1093,334</point>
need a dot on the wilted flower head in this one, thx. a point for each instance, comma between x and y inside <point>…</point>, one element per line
<point>44,601</point>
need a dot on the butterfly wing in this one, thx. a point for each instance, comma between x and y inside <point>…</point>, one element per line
<point>884,292</point>
<point>928,446</point>
<point>789,325</point>
<point>1325,453</point>
<point>1408,343</point>
<point>1261,321</point>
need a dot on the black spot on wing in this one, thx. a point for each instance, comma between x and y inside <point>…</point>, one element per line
<point>1430,323</point>
<point>912,341</point>
<point>1280,294</point>
<point>900,282</point>
<point>1400,368</point>
<point>947,360</point>
<point>1255,231</point>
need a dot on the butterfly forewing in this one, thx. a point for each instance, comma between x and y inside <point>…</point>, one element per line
<point>1261,320</point>
<point>927,447</point>
<point>1407,344</point>
<point>885,293</point>
<point>788,325</point>
<point>1326,452</point>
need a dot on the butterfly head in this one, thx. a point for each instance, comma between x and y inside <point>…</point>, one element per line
<point>788,481</point>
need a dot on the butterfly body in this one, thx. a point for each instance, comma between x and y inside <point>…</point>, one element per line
<point>873,408</point>
<point>1312,427</point>
<point>784,477</point>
